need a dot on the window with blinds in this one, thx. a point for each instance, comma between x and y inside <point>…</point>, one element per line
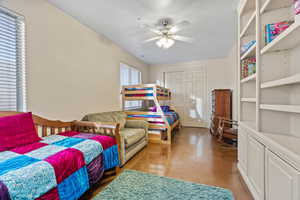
<point>12,64</point>
<point>130,76</point>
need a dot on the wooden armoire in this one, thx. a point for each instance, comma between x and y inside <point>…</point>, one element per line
<point>221,107</point>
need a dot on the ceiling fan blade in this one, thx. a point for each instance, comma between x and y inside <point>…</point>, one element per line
<point>178,27</point>
<point>183,38</point>
<point>152,39</point>
<point>152,29</point>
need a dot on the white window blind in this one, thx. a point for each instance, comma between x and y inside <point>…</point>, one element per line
<point>12,62</point>
<point>130,76</point>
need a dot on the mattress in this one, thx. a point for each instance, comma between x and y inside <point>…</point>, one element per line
<point>171,116</point>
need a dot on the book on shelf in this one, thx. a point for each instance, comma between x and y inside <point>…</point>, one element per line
<point>248,67</point>
<point>247,46</point>
<point>275,29</point>
<point>297,7</point>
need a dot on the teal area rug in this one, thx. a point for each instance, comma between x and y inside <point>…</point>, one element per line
<point>134,185</point>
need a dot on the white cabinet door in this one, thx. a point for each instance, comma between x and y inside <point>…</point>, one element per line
<point>189,96</point>
<point>255,167</point>
<point>174,81</point>
<point>282,180</point>
<point>242,149</point>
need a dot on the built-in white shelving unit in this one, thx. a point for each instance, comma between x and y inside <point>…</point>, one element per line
<point>249,124</point>
<point>246,6</point>
<point>249,100</point>
<point>281,108</point>
<point>287,40</point>
<point>251,52</point>
<point>269,102</point>
<point>249,78</point>
<point>250,26</point>
<point>247,33</point>
<point>294,79</point>
<point>270,5</point>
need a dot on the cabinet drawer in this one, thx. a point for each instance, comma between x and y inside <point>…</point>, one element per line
<point>282,180</point>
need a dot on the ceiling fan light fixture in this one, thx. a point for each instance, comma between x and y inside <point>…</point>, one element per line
<point>165,43</point>
<point>166,33</point>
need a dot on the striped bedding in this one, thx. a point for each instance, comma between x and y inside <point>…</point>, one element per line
<point>141,95</point>
<point>145,95</point>
<point>171,116</point>
<point>60,166</point>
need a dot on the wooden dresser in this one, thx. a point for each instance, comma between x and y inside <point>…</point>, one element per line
<point>221,107</point>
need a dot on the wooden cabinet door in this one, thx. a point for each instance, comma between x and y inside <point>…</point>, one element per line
<point>282,180</point>
<point>223,103</point>
<point>242,149</point>
<point>255,167</point>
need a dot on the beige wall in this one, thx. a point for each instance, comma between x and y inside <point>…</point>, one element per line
<point>71,70</point>
<point>221,74</point>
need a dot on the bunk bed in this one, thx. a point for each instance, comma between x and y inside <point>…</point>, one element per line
<point>162,119</point>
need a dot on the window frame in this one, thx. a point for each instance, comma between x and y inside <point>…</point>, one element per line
<point>130,107</point>
<point>21,100</point>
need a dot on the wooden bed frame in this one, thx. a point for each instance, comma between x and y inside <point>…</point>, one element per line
<point>47,127</point>
<point>158,94</point>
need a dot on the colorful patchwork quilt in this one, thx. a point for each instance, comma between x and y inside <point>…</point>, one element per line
<point>60,166</point>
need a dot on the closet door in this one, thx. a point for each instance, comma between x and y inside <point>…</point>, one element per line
<point>174,81</point>
<point>189,96</point>
<point>195,99</point>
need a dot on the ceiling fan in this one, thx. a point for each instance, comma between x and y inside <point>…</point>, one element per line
<point>166,33</point>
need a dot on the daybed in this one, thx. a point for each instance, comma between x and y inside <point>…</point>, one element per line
<point>133,133</point>
<point>61,164</point>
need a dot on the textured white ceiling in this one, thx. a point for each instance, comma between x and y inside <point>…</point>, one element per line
<point>213,25</point>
